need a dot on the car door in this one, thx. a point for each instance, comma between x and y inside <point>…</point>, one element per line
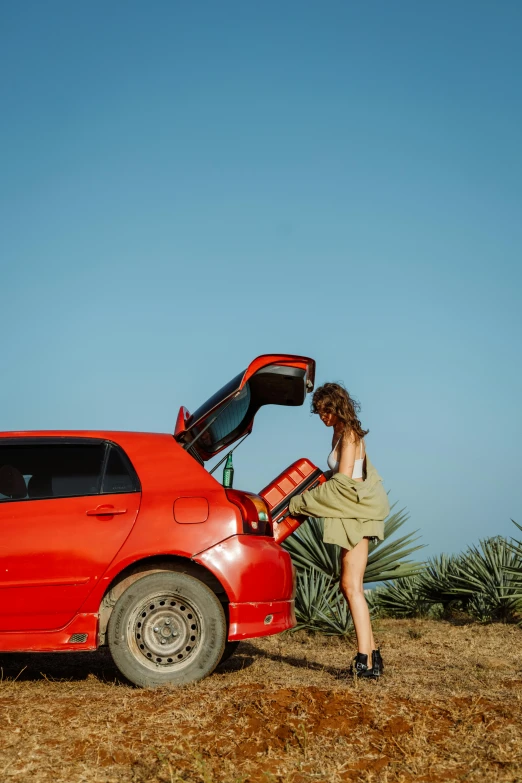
<point>66,508</point>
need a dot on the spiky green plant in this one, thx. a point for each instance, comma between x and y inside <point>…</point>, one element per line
<point>438,580</point>
<point>485,582</point>
<point>400,598</point>
<point>418,595</point>
<point>320,606</point>
<point>516,547</point>
<point>386,559</point>
<point>489,580</point>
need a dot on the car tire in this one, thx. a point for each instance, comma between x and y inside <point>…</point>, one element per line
<point>167,629</point>
<point>230,648</point>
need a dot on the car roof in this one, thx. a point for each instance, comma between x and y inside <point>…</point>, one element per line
<point>103,434</point>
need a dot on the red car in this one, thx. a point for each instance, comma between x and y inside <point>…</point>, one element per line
<point>125,539</point>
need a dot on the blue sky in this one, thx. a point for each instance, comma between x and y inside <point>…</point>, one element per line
<point>187,185</point>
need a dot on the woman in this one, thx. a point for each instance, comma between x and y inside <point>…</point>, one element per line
<point>354,505</point>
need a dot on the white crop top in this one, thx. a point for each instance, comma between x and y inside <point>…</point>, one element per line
<point>333,464</point>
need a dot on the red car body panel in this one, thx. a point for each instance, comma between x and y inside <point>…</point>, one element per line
<point>57,555</point>
<point>247,621</point>
<point>303,362</point>
<point>54,641</point>
<point>267,578</point>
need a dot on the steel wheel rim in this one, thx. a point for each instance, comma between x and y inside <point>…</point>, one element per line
<point>165,631</point>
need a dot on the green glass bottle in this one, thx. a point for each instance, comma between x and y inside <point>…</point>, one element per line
<point>228,473</point>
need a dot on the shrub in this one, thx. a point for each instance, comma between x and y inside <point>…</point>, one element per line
<point>489,581</point>
<point>320,605</point>
<point>485,582</point>
<point>400,598</point>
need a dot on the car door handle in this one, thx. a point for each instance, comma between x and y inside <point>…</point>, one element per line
<point>105,511</point>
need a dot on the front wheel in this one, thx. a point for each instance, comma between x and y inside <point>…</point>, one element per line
<point>167,628</point>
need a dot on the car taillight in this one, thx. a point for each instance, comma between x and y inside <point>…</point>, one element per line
<point>254,511</point>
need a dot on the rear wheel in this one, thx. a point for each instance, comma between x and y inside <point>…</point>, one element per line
<point>167,628</point>
<point>230,648</point>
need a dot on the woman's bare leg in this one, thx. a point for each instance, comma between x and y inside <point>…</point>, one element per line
<point>353,566</point>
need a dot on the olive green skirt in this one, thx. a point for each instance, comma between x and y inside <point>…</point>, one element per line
<point>348,532</point>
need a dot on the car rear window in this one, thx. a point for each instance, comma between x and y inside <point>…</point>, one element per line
<point>229,417</point>
<point>35,471</point>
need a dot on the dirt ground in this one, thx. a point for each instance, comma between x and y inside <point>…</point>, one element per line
<point>282,710</point>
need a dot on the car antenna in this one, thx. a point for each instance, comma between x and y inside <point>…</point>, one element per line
<point>227,454</point>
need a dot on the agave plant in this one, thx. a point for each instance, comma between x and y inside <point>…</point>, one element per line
<point>484,581</point>
<point>417,595</point>
<point>489,580</point>
<point>400,598</point>
<point>319,605</point>
<point>516,547</point>
<point>386,559</point>
<point>437,582</point>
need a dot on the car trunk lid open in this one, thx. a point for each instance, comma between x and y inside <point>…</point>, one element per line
<point>271,379</point>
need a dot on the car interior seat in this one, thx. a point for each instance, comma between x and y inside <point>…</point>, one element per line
<point>12,483</point>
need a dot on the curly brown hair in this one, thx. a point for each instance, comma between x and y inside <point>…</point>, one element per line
<point>334,398</point>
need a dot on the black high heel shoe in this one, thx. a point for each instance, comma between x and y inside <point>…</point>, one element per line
<point>360,667</point>
<point>377,663</point>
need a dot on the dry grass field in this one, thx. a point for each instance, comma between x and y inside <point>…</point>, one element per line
<point>282,710</point>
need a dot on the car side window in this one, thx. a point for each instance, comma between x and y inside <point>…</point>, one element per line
<point>38,471</point>
<point>119,475</point>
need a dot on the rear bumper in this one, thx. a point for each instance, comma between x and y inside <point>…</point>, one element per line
<point>259,580</point>
<point>260,619</point>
